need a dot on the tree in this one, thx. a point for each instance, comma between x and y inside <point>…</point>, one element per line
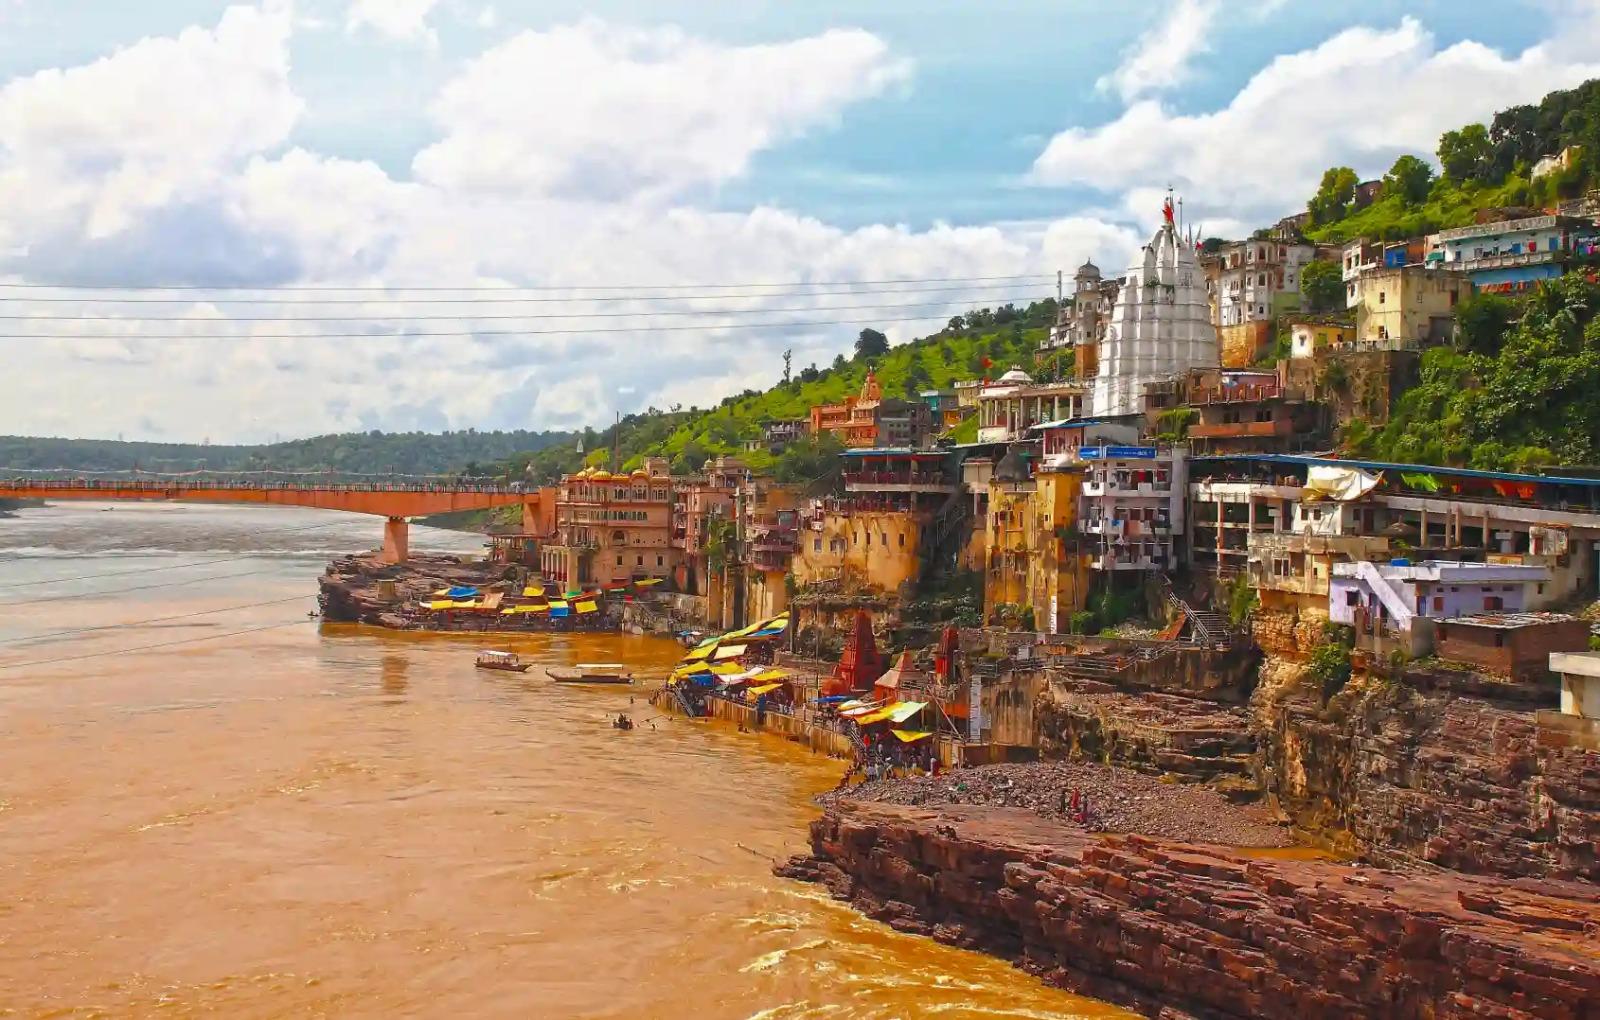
<point>788,357</point>
<point>1333,196</point>
<point>1465,154</point>
<point>813,461</point>
<point>1482,321</point>
<point>838,363</point>
<point>1322,285</point>
<point>956,324</point>
<point>871,345</point>
<point>1410,178</point>
<point>810,373</point>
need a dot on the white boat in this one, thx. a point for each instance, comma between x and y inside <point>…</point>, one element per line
<point>502,660</point>
<point>591,673</point>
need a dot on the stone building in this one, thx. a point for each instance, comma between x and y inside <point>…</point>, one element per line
<point>1014,403</point>
<point>1160,326</point>
<point>612,529</point>
<point>1081,326</point>
<point>1407,308</point>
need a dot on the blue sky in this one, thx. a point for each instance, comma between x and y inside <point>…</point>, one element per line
<point>542,143</point>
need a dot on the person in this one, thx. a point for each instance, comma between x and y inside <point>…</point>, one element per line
<point>622,722</point>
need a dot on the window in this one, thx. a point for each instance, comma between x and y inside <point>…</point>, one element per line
<point>902,540</point>
<point>1438,604</point>
<point>641,561</point>
<point>816,545</point>
<point>658,561</point>
<point>619,560</point>
<point>1382,297</point>
<point>1352,598</point>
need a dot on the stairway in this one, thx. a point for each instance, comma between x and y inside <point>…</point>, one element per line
<point>1206,627</point>
<point>945,532</point>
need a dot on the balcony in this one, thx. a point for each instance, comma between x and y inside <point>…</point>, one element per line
<point>897,481</point>
<point>1121,561</point>
<point>1511,259</point>
<point>1242,394</point>
<point>1129,489</point>
<point>1242,429</point>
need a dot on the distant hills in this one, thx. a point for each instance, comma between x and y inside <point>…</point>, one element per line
<point>355,452</point>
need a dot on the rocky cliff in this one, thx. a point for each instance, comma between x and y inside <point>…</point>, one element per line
<point>1180,931</point>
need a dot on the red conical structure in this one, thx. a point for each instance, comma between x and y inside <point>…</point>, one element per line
<point>860,665</point>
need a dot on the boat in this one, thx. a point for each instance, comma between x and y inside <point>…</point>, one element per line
<point>591,673</point>
<point>503,660</point>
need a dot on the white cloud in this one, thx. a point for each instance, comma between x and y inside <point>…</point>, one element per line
<point>155,121</point>
<point>1162,57</point>
<point>1361,98</point>
<point>401,20</point>
<point>597,110</point>
<point>487,18</point>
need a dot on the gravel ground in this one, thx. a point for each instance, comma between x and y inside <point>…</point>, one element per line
<point>1119,800</point>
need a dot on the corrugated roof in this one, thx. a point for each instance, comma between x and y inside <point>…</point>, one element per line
<point>1381,465</point>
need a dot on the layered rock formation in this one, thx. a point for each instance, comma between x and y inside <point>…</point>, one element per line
<point>1179,931</point>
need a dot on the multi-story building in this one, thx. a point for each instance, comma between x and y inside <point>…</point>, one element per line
<point>1407,308</point>
<point>1081,326</point>
<point>1514,254</point>
<point>1034,553</point>
<point>782,433</point>
<point>1246,411</point>
<point>612,529</point>
<point>944,408</point>
<point>1395,605</point>
<point>1132,506</point>
<point>700,503</point>
<point>1014,403</point>
<point>1359,257</point>
<point>869,419</point>
<point>771,538</point>
<point>1258,280</point>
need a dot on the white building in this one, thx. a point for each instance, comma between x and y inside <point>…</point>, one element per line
<point>1160,327</point>
<point>1257,280</point>
<point>1132,505</point>
<point>1014,403</point>
<point>1580,682</point>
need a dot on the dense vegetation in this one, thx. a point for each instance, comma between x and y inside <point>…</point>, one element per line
<point>984,342</point>
<point>404,452</point>
<point>1520,389</point>
<point>1482,167</point>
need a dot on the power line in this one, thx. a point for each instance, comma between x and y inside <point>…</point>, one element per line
<point>156,619</point>
<point>597,299</point>
<point>480,288</point>
<point>697,327</point>
<point>145,648</point>
<point>476,318</point>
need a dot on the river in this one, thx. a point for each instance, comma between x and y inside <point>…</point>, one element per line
<point>209,809</point>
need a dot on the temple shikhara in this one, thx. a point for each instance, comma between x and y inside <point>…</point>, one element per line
<point>1160,327</point>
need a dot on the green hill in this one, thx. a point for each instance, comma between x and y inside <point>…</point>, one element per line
<point>1005,336</point>
<point>404,452</point>
<point>1479,167</point>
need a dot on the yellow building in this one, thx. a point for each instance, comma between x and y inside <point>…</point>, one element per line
<point>878,548</point>
<point>772,533</point>
<point>1031,537</point>
<point>1407,307</point>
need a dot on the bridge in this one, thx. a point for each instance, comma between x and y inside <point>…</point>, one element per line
<point>394,501</point>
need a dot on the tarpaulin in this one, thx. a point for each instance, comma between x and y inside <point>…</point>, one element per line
<point>587,607</point>
<point>1427,483</point>
<point>1339,483</point>
<point>910,736</point>
<point>904,710</point>
<point>730,652</point>
<point>462,592</point>
<point>703,652</point>
<point>765,688</point>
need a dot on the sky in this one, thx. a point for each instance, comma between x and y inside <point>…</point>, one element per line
<point>642,203</point>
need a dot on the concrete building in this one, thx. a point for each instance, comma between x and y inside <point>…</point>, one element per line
<point>1160,327</point>
<point>771,539</point>
<point>1395,605</point>
<point>1513,254</point>
<point>1259,280</point>
<point>779,435</point>
<point>612,529</point>
<point>1133,506</point>
<point>698,502</point>
<point>1236,411</point>
<point>1014,403</point>
<point>869,419</point>
<point>1310,336</point>
<point>1407,308</point>
<point>1358,258</point>
<point>944,408</point>
<point>1580,683</point>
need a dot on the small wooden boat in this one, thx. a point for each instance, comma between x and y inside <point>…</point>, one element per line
<point>503,660</point>
<point>591,673</point>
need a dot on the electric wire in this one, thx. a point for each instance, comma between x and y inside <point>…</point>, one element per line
<point>479,318</point>
<point>145,648</point>
<point>318,288</point>
<point>980,292</point>
<point>408,335</point>
<point>29,639</point>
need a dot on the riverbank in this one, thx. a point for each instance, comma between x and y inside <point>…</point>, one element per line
<point>363,589</point>
<point>1183,929</point>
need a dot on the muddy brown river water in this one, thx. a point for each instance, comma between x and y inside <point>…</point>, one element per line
<point>291,819</point>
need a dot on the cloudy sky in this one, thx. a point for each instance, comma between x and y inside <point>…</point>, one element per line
<point>618,165</point>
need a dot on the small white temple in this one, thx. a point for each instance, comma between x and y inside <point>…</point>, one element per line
<point>1160,328</point>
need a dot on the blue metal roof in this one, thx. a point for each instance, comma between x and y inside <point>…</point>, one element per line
<point>1381,465</point>
<point>893,451</point>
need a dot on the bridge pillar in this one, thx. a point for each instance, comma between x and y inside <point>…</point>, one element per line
<point>396,540</point>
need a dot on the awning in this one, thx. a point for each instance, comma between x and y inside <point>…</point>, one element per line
<point>462,592</point>
<point>910,736</point>
<point>531,592</point>
<point>727,669</point>
<point>587,607</point>
<point>574,593</point>
<point>645,582</point>
<point>703,652</point>
<point>442,604</point>
<point>1339,483</point>
<point>771,674</point>
<point>744,676</point>
<point>765,688</point>
<point>869,718</point>
<point>906,709</point>
<point>558,604</point>
<point>730,652</point>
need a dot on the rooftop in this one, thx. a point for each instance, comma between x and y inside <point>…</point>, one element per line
<point>1449,570</point>
<point>1509,621</point>
<point>1380,465</point>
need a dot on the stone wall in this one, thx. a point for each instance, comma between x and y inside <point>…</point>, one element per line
<point>1187,931</point>
<point>1399,773</point>
<point>1288,633</point>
